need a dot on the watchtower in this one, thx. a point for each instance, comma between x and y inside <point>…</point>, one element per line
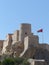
<point>25,30</point>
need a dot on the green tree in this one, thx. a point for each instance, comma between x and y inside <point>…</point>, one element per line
<point>8,61</point>
<point>15,61</point>
<point>0,63</point>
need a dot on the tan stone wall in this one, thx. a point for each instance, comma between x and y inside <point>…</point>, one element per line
<point>9,39</point>
<point>7,42</point>
<point>4,46</point>
<point>9,36</point>
<point>15,37</point>
<point>26,43</point>
<point>1,45</point>
<point>31,40</point>
<point>25,30</point>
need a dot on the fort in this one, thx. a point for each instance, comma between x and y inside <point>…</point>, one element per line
<point>22,43</point>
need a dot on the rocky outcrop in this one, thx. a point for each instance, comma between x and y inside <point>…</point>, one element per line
<point>37,53</point>
<point>17,48</point>
<point>42,54</point>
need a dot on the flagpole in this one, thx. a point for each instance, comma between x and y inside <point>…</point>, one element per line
<point>41,31</point>
<point>42,38</point>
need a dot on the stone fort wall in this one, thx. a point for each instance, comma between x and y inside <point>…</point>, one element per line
<point>24,36</point>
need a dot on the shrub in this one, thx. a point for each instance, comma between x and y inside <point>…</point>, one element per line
<point>8,61</point>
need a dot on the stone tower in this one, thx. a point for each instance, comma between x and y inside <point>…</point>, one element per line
<point>25,30</point>
<point>7,42</point>
<point>15,37</point>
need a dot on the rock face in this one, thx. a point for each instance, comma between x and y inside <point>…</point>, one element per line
<point>17,48</point>
<point>37,53</point>
<point>42,54</point>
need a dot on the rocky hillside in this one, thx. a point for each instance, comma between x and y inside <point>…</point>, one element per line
<point>37,53</point>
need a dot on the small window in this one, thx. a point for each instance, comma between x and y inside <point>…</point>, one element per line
<point>25,33</point>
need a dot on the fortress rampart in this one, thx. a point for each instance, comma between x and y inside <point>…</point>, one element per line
<point>20,41</point>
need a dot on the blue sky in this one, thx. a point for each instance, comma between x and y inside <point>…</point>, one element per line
<point>15,12</point>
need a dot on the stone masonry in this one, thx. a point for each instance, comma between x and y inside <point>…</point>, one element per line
<point>20,41</point>
<point>25,37</point>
